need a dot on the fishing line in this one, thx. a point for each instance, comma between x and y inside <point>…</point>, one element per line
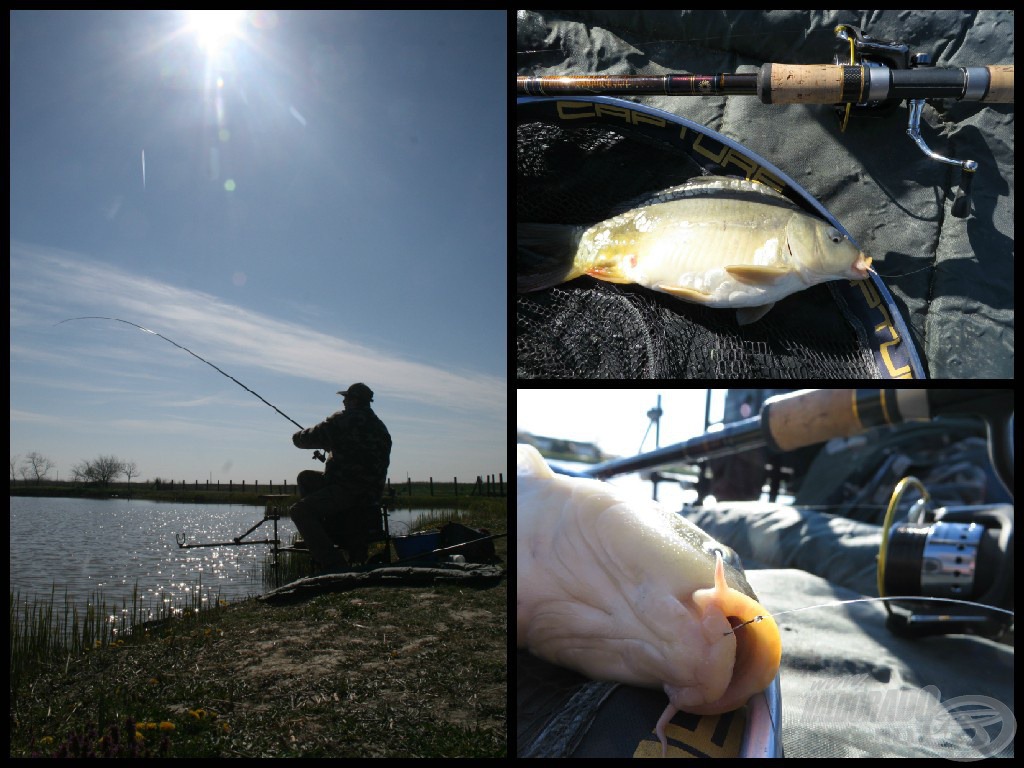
<point>197,357</point>
<point>833,603</point>
<point>903,274</point>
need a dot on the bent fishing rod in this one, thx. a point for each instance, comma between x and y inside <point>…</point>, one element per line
<point>316,454</point>
<point>875,80</point>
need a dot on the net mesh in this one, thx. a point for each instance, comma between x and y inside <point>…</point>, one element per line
<point>592,329</point>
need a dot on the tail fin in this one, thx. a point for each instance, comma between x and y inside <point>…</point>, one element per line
<point>545,254</point>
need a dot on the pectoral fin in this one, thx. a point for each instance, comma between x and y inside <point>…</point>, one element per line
<point>755,275</point>
<point>680,292</point>
<point>608,274</point>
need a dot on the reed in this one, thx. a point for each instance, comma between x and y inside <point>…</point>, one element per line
<point>43,632</point>
<point>175,684</point>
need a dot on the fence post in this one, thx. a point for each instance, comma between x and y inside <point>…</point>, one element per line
<point>455,480</point>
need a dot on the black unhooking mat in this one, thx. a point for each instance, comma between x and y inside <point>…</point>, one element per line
<point>951,278</point>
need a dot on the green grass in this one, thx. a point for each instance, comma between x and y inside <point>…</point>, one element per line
<point>376,671</point>
<point>44,630</point>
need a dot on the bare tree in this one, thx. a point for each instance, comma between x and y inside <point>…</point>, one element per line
<point>106,468</point>
<point>100,470</point>
<point>130,470</point>
<point>14,466</point>
<point>80,472</point>
<point>37,466</point>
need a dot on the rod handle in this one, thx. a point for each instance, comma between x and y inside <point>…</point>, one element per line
<point>1000,87</point>
<point>809,417</point>
<point>853,84</point>
<point>806,83</point>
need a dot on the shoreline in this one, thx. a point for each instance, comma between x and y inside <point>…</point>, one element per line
<point>244,498</point>
<point>381,670</point>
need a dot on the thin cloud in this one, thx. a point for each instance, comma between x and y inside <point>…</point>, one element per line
<point>45,278</point>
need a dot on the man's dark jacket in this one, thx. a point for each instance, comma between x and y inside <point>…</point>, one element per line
<point>360,447</point>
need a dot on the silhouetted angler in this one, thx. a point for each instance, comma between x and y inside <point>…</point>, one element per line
<point>342,503</point>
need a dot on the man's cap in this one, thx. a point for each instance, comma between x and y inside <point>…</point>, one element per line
<point>359,391</point>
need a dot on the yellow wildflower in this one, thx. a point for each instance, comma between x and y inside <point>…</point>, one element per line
<point>166,726</point>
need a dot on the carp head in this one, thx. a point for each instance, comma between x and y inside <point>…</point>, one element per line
<point>821,252</point>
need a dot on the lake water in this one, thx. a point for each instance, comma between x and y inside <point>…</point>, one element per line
<point>113,546</point>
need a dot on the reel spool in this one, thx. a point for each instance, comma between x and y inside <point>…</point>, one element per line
<point>963,553</point>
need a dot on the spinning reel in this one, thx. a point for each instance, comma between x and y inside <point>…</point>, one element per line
<point>963,553</point>
<point>880,58</point>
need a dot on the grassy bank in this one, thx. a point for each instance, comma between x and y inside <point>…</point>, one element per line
<point>380,671</point>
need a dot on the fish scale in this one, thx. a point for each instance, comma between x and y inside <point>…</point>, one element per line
<point>718,241</point>
<point>699,243</point>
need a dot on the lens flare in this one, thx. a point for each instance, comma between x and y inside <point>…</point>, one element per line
<point>214,29</point>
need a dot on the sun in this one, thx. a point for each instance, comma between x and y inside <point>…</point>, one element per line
<point>214,29</point>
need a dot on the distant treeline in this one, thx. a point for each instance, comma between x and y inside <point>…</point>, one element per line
<point>489,485</point>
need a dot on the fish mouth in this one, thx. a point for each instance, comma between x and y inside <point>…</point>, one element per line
<point>861,266</point>
<point>744,648</point>
<point>757,656</point>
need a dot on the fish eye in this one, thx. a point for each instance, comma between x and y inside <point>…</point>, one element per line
<point>834,236</point>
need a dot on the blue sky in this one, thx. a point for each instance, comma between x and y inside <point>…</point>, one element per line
<point>616,419</point>
<point>319,200</point>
